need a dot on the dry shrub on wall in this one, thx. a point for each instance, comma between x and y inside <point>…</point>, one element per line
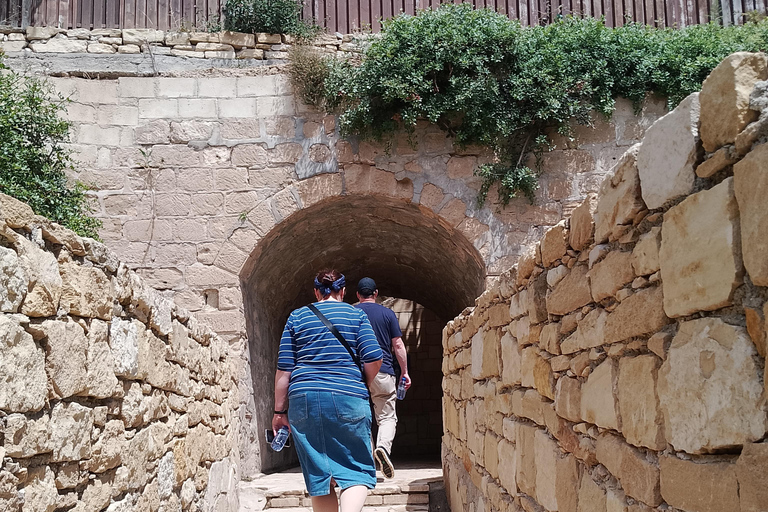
<point>308,70</point>
<point>486,80</point>
<point>33,158</point>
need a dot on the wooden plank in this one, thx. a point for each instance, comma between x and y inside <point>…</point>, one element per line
<point>5,13</point>
<point>738,12</point>
<point>129,14</point>
<point>342,10</point>
<point>99,13</point>
<point>330,15</point>
<point>727,12</point>
<point>609,14</point>
<point>702,11</point>
<point>163,18</point>
<point>597,8</point>
<point>376,15</point>
<point>63,14</point>
<point>353,15</point>
<point>152,12</point>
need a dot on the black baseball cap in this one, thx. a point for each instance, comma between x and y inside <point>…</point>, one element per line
<point>366,285</point>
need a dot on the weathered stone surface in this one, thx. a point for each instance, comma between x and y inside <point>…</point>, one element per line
<point>709,388</point>
<point>750,184</point>
<point>645,255</point>
<point>485,354</point>
<point>507,467</point>
<point>107,450</point>
<point>66,355</point>
<point>721,159</point>
<point>25,437</point>
<point>526,459</point>
<point>641,418</point>
<point>752,472</point>
<point>590,332</point>
<point>537,299</point>
<point>101,381</point>
<point>141,36</point>
<point>619,199</point>
<point>591,496</point>
<point>638,477</point>
<point>687,485</point>
<point>71,426</point>
<point>60,46</point>
<point>725,98</point>
<point>582,227</point>
<point>554,245</point>
<point>45,283</point>
<point>568,399</point>
<point>546,453</point>
<point>668,154</point>
<point>124,343</point>
<point>700,252</point>
<point>610,275</point>
<point>568,477</point>
<point>549,339</point>
<point>598,401</point>
<point>86,292</point>
<point>570,293</point>
<point>13,281</point>
<point>639,314</point>
<point>40,493</point>
<point>22,369</point>
<point>510,361</point>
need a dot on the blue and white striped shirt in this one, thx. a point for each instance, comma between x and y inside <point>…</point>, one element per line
<point>317,360</point>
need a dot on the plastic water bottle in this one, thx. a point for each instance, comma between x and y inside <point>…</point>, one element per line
<point>401,389</point>
<point>280,438</point>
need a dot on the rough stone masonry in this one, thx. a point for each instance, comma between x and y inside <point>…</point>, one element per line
<point>620,365</point>
<point>111,396</point>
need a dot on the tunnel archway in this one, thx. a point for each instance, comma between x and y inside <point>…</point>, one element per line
<point>410,251</point>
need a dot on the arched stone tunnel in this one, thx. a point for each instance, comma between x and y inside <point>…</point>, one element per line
<point>410,252</point>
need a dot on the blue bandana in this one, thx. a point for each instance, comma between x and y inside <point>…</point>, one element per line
<point>335,286</point>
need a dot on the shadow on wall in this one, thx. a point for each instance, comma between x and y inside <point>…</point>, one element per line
<point>404,247</point>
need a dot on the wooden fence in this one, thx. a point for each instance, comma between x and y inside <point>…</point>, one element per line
<point>348,15</point>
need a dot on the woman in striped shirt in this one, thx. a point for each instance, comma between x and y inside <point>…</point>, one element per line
<point>325,395</point>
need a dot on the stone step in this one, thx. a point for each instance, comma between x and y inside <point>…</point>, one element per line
<point>393,508</point>
<point>374,500</point>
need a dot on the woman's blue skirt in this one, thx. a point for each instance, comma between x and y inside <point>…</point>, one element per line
<point>332,435</point>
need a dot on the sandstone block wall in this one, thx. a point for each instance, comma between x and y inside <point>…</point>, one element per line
<point>111,396</point>
<point>619,366</point>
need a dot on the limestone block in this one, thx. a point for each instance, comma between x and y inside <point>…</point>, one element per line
<point>13,281</point>
<point>510,361</point>
<point>700,252</point>
<point>101,48</point>
<point>570,293</point>
<point>185,131</point>
<point>101,381</point>
<point>550,338</point>
<point>66,350</point>
<point>620,198</point>
<point>97,495</point>
<point>518,304</point>
<point>537,299</point>
<point>724,98</point>
<point>525,456</point>
<point>639,314</point>
<point>527,262</point>
<point>485,354</point>
<point>86,291</point>
<point>752,472</point>
<point>507,467</point>
<point>70,429</point>
<point>498,315</point>
<point>555,275</point>
<point>40,494</point>
<point>642,423</point>
<point>591,497</point>
<point>610,275</point>
<point>26,437</point>
<point>107,450</point>
<point>582,226</point>
<point>124,345</point>
<point>12,46</point>
<point>60,46</point>
<point>590,332</point>
<point>645,255</point>
<point>639,478</point>
<point>687,485</point>
<point>22,369</point>
<point>721,159</point>
<point>668,154</point>
<point>598,401</point>
<point>45,284</point>
<point>567,476</point>
<point>710,389</point>
<point>546,455</point>
<point>238,39</point>
<point>750,183</point>
<point>568,399</point>
<point>141,36</point>
<point>39,33</point>
<point>553,244</point>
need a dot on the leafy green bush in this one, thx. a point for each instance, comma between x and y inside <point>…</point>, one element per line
<point>486,80</point>
<point>33,159</point>
<point>271,16</point>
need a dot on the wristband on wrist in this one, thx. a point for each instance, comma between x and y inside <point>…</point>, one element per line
<point>281,412</point>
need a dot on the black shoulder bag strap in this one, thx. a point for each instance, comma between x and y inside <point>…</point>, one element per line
<point>338,335</point>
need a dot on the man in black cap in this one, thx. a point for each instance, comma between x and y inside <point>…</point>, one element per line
<point>384,387</point>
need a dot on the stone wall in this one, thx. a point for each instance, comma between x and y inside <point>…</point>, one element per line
<point>619,366</point>
<point>177,43</point>
<point>111,396</point>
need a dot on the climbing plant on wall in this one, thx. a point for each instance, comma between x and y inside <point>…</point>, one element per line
<point>486,80</point>
<point>33,158</point>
